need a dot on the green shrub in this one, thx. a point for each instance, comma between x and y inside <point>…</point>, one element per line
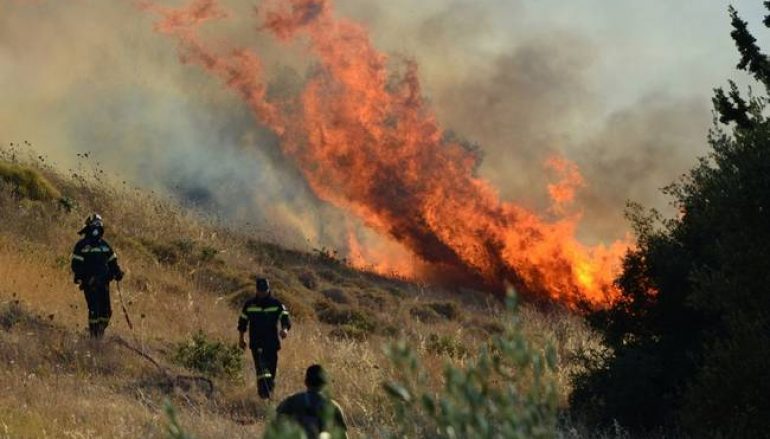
<point>345,315</point>
<point>27,183</point>
<point>446,345</point>
<point>508,391</point>
<point>212,358</point>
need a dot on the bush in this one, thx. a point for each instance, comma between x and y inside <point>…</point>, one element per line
<point>445,345</point>
<point>336,295</point>
<point>435,311</point>
<point>345,315</point>
<point>12,314</point>
<point>508,391</point>
<point>212,358</point>
<point>348,332</point>
<point>27,183</point>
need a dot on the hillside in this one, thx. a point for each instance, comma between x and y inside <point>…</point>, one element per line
<point>185,274</point>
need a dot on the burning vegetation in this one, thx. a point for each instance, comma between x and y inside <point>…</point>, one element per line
<point>366,141</point>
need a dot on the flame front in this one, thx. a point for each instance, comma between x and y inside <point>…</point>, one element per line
<point>366,141</point>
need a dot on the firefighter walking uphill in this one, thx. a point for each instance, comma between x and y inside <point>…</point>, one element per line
<point>268,322</point>
<point>94,265</point>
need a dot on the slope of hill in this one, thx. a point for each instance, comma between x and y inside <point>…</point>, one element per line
<point>187,274</point>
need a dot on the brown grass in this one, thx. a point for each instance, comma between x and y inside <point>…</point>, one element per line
<point>185,273</point>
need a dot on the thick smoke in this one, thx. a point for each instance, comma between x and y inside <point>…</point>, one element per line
<point>89,75</point>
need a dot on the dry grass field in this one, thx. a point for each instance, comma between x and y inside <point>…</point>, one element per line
<point>185,274</point>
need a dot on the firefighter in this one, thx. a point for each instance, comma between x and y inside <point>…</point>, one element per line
<point>316,413</point>
<point>94,265</point>
<point>268,322</point>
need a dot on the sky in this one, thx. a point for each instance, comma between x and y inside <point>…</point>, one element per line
<point>620,87</point>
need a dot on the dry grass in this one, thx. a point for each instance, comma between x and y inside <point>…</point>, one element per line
<point>184,274</point>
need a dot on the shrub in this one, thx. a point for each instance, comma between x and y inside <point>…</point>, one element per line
<point>345,315</point>
<point>212,358</point>
<point>448,310</point>
<point>336,295</point>
<point>445,345</point>
<point>348,332</point>
<point>308,280</point>
<point>508,391</point>
<point>27,183</point>
<point>11,314</point>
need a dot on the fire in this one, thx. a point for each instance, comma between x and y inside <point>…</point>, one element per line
<point>366,141</point>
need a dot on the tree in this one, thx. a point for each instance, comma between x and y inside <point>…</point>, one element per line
<point>691,335</point>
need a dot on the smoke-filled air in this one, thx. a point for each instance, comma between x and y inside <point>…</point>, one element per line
<point>473,155</point>
<point>366,141</point>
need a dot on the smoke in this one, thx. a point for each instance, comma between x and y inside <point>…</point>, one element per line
<point>85,75</point>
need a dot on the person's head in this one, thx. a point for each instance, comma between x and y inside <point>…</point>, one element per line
<point>263,287</point>
<point>315,378</point>
<point>94,227</point>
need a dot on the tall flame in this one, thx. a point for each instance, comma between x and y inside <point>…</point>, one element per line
<point>366,141</point>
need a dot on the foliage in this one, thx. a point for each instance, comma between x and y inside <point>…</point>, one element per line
<point>173,429</point>
<point>27,182</point>
<point>361,320</point>
<point>11,314</point>
<point>446,345</point>
<point>212,358</point>
<point>506,391</point>
<point>690,334</point>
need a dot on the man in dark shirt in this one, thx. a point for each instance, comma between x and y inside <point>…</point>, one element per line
<point>94,265</point>
<point>262,315</point>
<point>317,414</point>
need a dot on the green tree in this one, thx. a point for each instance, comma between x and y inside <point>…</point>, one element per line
<point>691,335</point>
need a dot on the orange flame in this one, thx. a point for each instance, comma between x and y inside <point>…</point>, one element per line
<point>366,141</point>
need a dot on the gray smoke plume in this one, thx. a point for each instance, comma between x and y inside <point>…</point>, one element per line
<point>515,77</point>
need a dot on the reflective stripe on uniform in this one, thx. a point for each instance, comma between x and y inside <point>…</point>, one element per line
<point>114,256</point>
<point>264,375</point>
<point>260,309</point>
<point>244,316</point>
<point>78,258</point>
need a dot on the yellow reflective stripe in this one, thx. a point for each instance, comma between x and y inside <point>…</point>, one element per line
<point>114,256</point>
<point>78,258</point>
<point>244,317</point>
<point>260,309</point>
<point>265,375</point>
<point>93,320</point>
<point>285,313</point>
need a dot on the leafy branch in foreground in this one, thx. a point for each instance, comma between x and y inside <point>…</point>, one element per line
<point>507,391</point>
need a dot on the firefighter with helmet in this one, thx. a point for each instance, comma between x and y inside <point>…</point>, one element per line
<point>94,266</point>
<point>267,321</point>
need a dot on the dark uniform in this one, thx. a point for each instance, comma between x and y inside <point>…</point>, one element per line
<point>94,265</point>
<point>315,413</point>
<point>262,317</point>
